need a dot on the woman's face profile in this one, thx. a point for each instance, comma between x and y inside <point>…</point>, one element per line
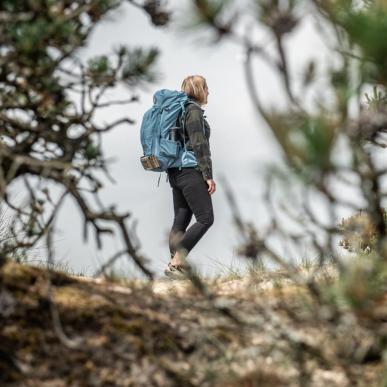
<point>206,91</point>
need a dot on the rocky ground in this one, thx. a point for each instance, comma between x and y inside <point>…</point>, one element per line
<point>260,330</point>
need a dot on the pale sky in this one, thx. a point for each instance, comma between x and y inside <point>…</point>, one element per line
<point>241,145</point>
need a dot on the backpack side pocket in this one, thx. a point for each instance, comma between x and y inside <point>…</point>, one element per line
<point>169,148</point>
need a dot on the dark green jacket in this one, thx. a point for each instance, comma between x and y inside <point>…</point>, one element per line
<point>197,136</point>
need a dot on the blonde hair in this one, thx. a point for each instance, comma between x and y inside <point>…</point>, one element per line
<point>194,86</point>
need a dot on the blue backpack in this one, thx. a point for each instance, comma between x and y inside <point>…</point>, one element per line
<point>159,132</point>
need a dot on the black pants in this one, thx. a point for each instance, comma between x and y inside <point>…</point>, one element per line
<point>190,196</point>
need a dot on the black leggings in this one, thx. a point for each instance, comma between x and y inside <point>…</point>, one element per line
<point>190,196</point>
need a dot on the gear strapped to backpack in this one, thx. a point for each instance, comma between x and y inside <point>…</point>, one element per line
<point>159,133</point>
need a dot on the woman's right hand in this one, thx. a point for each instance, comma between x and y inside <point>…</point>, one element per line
<point>211,186</point>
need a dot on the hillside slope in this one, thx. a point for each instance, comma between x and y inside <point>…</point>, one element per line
<point>260,332</point>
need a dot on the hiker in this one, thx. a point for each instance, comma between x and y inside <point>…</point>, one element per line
<point>192,187</point>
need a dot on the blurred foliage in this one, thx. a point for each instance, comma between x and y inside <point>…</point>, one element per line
<point>363,285</point>
<point>359,232</point>
<point>49,102</point>
<point>279,16</point>
<point>365,28</point>
<point>377,101</point>
<point>330,123</point>
<point>138,67</point>
<point>307,141</point>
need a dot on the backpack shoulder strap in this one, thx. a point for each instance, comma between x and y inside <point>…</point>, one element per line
<point>184,108</point>
<point>182,120</point>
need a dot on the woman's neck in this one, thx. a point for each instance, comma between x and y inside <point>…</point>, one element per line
<point>195,101</point>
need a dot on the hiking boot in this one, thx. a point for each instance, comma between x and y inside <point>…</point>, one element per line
<point>175,272</point>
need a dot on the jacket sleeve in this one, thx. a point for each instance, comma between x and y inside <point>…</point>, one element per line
<point>195,129</point>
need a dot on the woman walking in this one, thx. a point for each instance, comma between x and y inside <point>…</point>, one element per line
<point>192,187</point>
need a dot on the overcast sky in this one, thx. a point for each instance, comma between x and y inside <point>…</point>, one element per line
<point>241,145</point>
